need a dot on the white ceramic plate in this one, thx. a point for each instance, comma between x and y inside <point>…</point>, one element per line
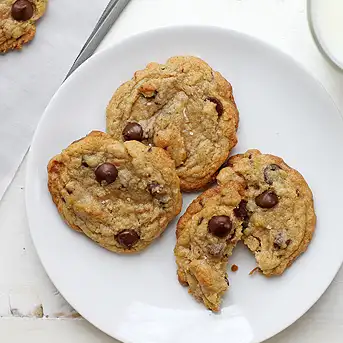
<point>137,299</point>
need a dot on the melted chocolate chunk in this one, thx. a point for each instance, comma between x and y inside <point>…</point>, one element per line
<point>241,211</point>
<point>219,105</point>
<point>267,199</point>
<point>22,10</point>
<point>128,238</point>
<point>268,171</point>
<point>106,172</point>
<point>220,226</point>
<point>154,188</point>
<point>133,132</point>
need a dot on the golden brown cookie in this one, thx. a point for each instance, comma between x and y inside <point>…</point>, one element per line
<point>184,107</point>
<point>279,216</point>
<point>258,199</point>
<point>121,195</point>
<point>206,235</point>
<point>17,22</point>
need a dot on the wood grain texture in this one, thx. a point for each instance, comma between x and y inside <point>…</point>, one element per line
<point>26,291</point>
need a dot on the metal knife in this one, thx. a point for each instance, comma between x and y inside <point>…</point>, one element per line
<point>107,19</point>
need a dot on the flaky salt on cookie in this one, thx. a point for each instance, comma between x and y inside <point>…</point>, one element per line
<point>279,216</point>
<point>206,236</point>
<point>259,199</point>
<point>184,107</point>
<point>121,195</point>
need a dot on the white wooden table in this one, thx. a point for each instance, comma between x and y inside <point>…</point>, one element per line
<point>31,309</point>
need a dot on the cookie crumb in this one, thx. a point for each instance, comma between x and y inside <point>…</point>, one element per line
<point>234,268</point>
<point>257,269</point>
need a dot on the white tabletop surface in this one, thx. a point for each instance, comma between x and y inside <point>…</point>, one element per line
<point>31,309</point>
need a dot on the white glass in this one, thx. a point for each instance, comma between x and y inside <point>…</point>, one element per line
<point>326,22</point>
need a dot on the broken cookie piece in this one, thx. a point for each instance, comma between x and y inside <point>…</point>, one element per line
<point>258,199</point>
<point>279,213</point>
<point>206,235</point>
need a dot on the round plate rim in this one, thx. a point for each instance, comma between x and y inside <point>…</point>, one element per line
<point>92,59</point>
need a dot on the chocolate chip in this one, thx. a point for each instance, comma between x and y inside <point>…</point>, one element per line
<point>106,172</point>
<point>155,188</point>
<point>22,10</point>
<point>128,238</point>
<point>220,226</point>
<point>267,199</point>
<point>241,211</point>
<point>133,132</point>
<point>276,246</point>
<point>219,105</point>
<point>245,223</point>
<point>227,280</point>
<point>288,242</point>
<point>268,171</point>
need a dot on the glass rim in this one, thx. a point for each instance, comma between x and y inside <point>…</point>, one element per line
<point>338,66</point>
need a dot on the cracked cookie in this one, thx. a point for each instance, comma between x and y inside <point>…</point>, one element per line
<point>121,195</point>
<point>206,235</point>
<point>184,107</point>
<point>17,22</point>
<point>278,217</point>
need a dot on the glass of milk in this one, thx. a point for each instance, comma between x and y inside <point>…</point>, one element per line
<point>326,23</point>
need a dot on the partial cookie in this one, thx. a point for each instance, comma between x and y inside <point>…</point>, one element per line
<point>17,22</point>
<point>279,218</point>
<point>184,107</point>
<point>121,195</point>
<point>206,236</point>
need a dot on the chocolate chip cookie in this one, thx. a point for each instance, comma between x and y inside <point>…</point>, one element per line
<point>182,106</point>
<point>206,236</point>
<point>278,217</point>
<point>121,195</point>
<point>17,22</point>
